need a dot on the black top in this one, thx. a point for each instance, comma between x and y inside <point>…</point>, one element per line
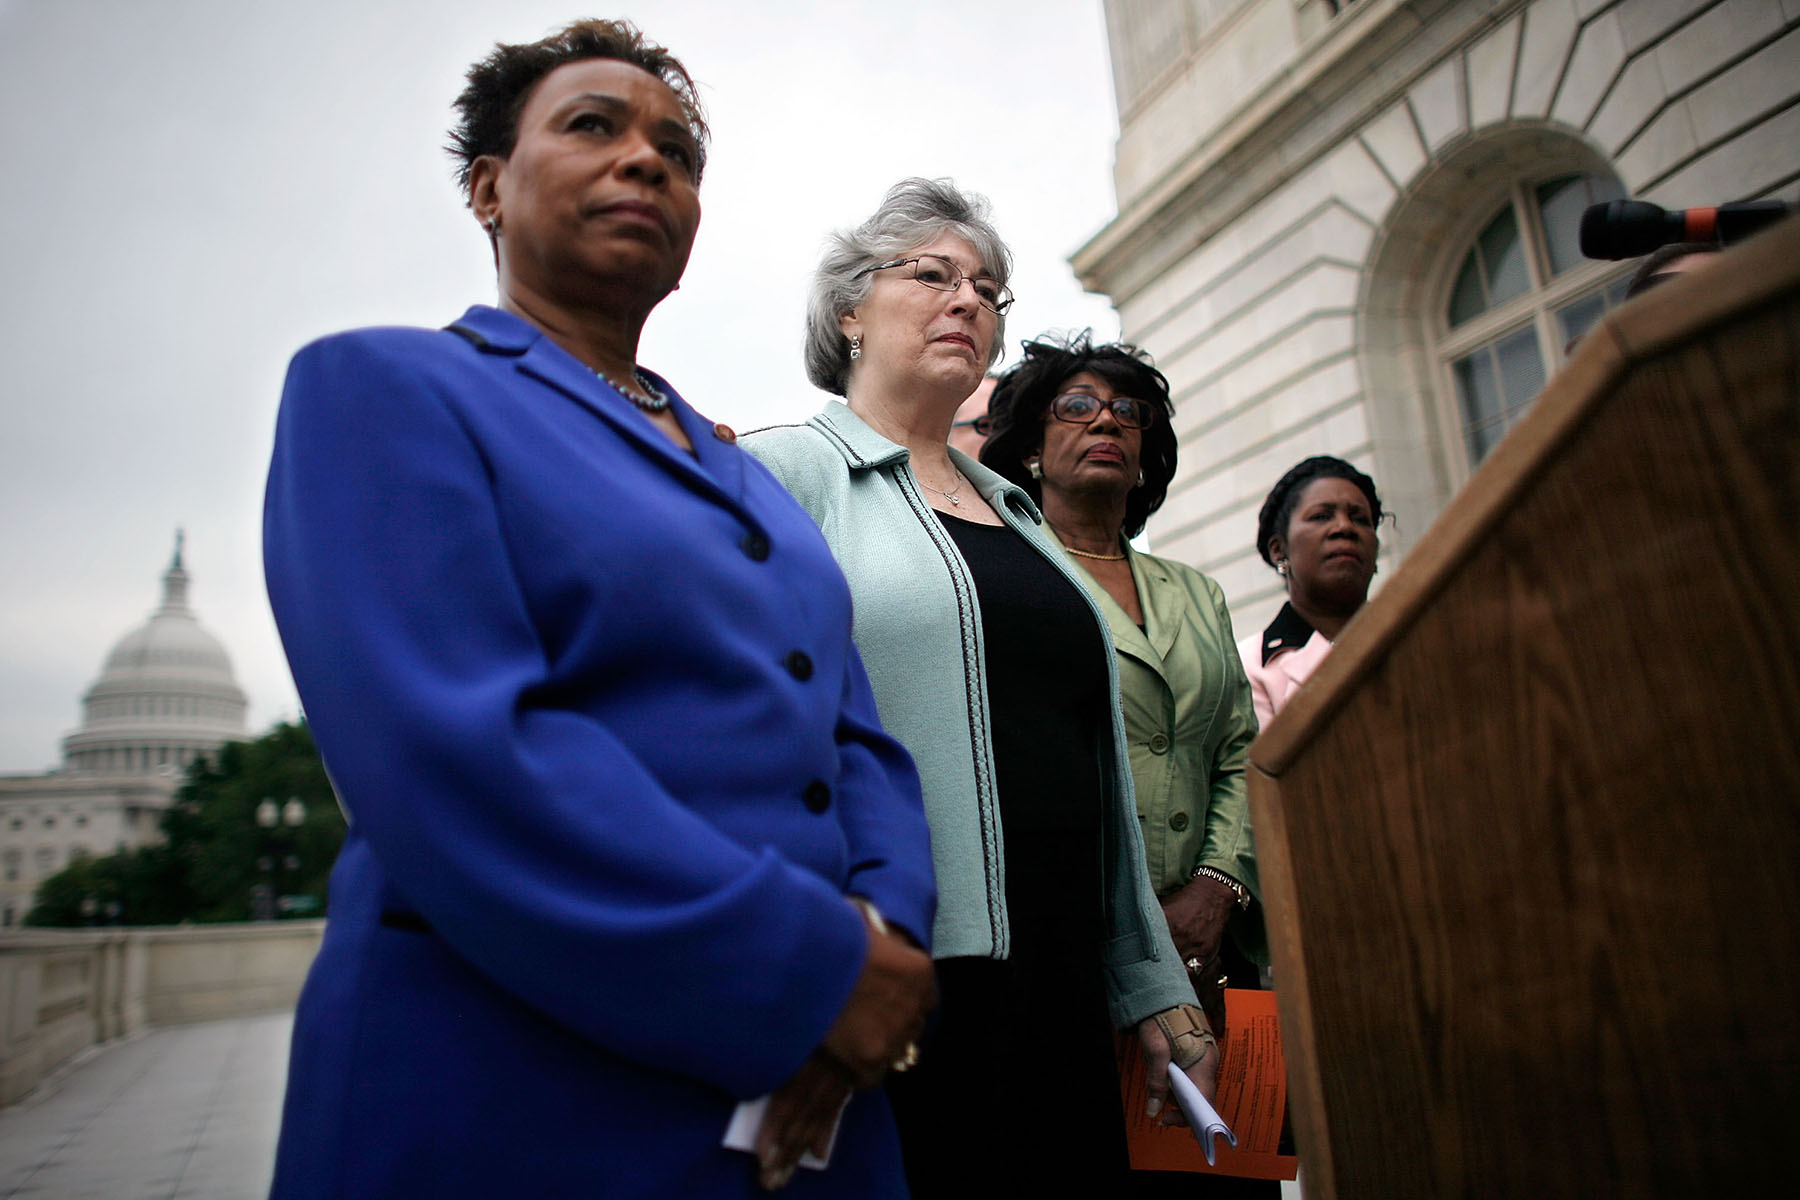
<point>1047,694</point>
<point>1017,1088</point>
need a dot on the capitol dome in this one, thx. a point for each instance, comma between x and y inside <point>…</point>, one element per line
<point>165,696</point>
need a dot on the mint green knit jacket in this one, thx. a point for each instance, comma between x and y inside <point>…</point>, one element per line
<point>918,627</point>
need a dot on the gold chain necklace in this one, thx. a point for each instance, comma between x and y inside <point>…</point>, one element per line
<point>1085,553</point>
<point>1091,554</point>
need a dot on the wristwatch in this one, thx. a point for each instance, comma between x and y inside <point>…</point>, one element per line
<point>1220,877</point>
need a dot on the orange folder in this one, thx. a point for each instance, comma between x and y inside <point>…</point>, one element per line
<point>1251,1097</point>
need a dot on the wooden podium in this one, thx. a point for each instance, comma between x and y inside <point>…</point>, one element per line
<point>1530,839</point>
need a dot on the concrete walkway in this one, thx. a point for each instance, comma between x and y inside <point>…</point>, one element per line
<point>188,1112</point>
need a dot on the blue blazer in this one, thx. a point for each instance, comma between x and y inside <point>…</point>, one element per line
<point>611,765</point>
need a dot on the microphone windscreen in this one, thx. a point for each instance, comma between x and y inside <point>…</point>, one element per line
<point>1626,229</point>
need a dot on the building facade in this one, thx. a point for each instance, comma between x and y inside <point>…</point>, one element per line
<point>1350,229</point>
<point>165,697</point>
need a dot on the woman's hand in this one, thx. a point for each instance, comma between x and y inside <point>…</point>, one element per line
<point>885,1015</point>
<point>1197,915</point>
<point>801,1116</point>
<point>879,1026</point>
<point>1157,1052</point>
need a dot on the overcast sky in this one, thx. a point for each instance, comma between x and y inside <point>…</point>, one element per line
<point>196,188</point>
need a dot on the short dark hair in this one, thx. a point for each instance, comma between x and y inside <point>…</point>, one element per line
<point>1278,509</point>
<point>1021,403</point>
<point>500,84</point>
<point>1649,271</point>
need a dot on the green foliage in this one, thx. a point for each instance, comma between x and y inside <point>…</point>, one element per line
<point>214,855</point>
<point>141,887</point>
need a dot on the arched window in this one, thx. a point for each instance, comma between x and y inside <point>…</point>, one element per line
<point>1521,294</point>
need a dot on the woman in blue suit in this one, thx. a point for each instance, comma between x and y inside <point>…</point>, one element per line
<point>627,843</point>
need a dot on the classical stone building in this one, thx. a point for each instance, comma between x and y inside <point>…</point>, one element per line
<point>166,695</point>
<point>1350,228</point>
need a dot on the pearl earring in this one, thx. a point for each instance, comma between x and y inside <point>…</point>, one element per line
<point>1281,566</point>
<point>1140,481</point>
<point>855,346</point>
<point>1034,467</point>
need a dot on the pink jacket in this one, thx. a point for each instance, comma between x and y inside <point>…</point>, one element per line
<point>1272,682</point>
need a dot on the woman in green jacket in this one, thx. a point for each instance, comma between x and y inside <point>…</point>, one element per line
<point>1085,430</point>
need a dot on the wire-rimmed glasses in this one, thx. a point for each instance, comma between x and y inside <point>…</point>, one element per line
<point>940,274</point>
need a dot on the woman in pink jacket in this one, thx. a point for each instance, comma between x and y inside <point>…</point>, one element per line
<point>1317,529</point>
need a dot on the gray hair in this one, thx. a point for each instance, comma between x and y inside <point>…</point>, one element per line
<point>914,213</point>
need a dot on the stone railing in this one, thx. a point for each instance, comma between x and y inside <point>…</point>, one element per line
<point>63,990</point>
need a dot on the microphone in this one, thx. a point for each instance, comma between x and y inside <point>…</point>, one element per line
<point>1629,228</point>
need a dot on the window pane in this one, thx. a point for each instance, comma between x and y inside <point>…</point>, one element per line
<point>1494,387</point>
<point>1579,316</point>
<point>1574,320</point>
<point>1503,254</point>
<point>1521,371</point>
<point>1560,204</point>
<point>1466,300</point>
<point>1481,442</point>
<point>1478,389</point>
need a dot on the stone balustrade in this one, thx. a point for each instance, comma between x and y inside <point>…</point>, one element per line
<point>63,990</point>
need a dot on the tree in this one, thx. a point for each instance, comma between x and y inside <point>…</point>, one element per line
<point>215,855</point>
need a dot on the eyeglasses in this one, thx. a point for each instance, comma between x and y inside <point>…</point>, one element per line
<point>984,425</point>
<point>940,274</point>
<point>1080,408</point>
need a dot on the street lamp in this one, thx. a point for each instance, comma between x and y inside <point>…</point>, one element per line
<point>271,816</point>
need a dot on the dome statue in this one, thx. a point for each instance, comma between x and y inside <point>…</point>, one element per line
<point>165,696</point>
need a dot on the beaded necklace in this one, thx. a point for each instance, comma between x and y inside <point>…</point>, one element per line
<point>646,395</point>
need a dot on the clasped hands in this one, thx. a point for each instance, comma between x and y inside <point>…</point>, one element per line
<point>878,1028</point>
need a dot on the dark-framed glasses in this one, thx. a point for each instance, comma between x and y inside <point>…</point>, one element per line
<point>984,424</point>
<point>940,274</point>
<point>1080,408</point>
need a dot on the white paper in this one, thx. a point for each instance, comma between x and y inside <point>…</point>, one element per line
<point>1203,1119</point>
<point>746,1123</point>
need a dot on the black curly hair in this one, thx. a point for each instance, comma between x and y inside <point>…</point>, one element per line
<point>1278,509</point>
<point>500,84</point>
<point>1021,403</point>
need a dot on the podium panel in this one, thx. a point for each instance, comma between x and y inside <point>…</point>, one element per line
<point>1530,838</point>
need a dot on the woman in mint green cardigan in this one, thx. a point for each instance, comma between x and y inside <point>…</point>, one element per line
<point>988,660</point>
